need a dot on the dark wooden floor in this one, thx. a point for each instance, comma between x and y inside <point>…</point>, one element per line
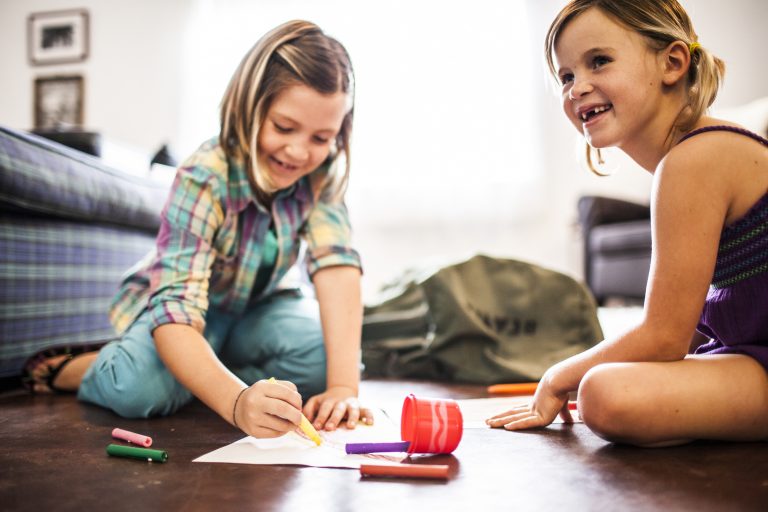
<point>52,457</point>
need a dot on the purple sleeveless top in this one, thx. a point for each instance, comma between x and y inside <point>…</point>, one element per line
<point>735,315</point>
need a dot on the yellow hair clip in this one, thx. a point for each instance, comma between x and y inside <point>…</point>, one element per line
<point>692,47</point>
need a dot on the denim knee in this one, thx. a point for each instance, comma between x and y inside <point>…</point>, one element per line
<point>132,381</point>
<point>282,338</point>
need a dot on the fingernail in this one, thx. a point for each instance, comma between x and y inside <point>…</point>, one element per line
<point>352,424</point>
<point>330,426</point>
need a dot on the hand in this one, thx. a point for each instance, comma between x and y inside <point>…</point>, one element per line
<point>540,412</point>
<point>268,409</point>
<point>328,409</point>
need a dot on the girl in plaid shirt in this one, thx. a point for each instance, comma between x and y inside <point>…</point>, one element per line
<point>211,313</point>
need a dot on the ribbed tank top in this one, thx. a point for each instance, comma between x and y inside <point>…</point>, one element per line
<point>743,249</point>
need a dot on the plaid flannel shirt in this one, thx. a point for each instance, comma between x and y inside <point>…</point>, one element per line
<point>209,245</point>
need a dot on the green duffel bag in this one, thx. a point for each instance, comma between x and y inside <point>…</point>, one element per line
<point>483,321</point>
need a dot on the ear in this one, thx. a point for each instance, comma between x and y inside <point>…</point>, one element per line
<point>676,59</point>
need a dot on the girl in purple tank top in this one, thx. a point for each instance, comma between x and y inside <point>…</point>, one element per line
<point>634,76</point>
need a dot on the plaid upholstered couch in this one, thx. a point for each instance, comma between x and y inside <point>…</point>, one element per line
<point>70,227</point>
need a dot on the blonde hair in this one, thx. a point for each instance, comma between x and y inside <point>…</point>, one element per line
<point>296,52</point>
<point>662,22</point>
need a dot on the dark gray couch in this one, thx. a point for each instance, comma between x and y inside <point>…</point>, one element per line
<point>617,247</point>
<point>70,227</point>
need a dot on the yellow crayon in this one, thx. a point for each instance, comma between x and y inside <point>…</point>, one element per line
<point>306,426</point>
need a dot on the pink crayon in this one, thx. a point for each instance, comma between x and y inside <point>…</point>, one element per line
<point>132,437</point>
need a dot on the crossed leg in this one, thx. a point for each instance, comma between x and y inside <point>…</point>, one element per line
<point>723,397</point>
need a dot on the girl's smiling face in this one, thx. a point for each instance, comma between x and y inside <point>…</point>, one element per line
<point>611,79</point>
<point>298,133</point>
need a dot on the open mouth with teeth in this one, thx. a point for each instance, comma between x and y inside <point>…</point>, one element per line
<point>587,115</point>
<point>282,165</point>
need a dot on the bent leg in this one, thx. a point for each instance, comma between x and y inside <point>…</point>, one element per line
<point>279,337</point>
<point>129,378</point>
<point>722,397</point>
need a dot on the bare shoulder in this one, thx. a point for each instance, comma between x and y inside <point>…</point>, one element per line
<point>717,166</point>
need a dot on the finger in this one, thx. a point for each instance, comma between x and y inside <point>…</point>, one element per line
<point>353,414</point>
<point>288,384</point>
<point>266,433</point>
<point>278,391</point>
<point>503,420</point>
<point>323,412</point>
<point>516,410</point>
<point>337,414</point>
<point>366,416</point>
<point>310,408</point>
<point>565,414</point>
<point>283,410</point>
<point>533,421</point>
<point>276,424</point>
<point>255,416</point>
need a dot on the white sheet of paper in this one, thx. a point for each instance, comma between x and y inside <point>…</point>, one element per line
<point>476,410</point>
<point>294,448</point>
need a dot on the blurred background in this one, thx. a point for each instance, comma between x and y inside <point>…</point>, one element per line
<point>459,145</point>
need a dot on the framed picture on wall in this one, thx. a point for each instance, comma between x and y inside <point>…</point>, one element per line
<point>59,102</point>
<point>57,37</point>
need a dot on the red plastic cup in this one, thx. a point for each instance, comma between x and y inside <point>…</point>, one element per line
<point>432,425</point>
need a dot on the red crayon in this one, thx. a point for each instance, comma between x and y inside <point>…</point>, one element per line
<point>405,470</point>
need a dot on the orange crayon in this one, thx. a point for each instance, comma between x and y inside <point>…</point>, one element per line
<point>522,388</point>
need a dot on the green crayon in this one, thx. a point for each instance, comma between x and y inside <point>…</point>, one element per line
<point>118,450</point>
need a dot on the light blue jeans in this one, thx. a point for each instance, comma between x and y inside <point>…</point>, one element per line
<point>279,336</point>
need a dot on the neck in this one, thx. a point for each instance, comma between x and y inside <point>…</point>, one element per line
<point>654,141</point>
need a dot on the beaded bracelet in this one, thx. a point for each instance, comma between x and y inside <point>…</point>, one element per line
<point>234,407</point>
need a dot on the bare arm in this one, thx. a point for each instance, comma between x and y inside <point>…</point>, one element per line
<point>688,214</point>
<point>341,314</point>
<point>263,410</point>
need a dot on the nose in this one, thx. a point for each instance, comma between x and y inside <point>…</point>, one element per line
<point>296,151</point>
<point>579,88</point>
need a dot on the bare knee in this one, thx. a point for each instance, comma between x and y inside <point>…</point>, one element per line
<point>611,402</point>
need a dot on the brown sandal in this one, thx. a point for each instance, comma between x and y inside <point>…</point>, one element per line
<point>29,380</point>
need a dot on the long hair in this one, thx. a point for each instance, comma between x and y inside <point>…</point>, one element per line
<point>296,52</point>
<point>661,22</point>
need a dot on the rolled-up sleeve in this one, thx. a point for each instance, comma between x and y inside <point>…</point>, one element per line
<point>181,272</point>
<point>329,238</point>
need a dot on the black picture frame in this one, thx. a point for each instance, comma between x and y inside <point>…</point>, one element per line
<point>59,102</point>
<point>58,37</point>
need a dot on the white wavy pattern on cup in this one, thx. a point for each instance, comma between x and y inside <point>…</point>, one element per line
<point>439,437</point>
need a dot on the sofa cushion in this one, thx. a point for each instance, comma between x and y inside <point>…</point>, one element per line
<point>70,227</point>
<point>57,279</point>
<point>44,177</point>
<point>621,237</point>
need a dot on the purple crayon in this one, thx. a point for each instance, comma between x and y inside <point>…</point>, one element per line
<point>400,446</point>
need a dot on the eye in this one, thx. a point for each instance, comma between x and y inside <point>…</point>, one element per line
<point>281,128</point>
<point>599,61</point>
<point>566,78</point>
<point>320,140</point>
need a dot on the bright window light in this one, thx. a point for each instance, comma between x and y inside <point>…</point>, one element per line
<point>444,120</point>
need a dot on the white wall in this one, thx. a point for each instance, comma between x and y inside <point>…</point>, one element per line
<point>132,74</point>
<point>135,95</point>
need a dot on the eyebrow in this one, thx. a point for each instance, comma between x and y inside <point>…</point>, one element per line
<point>592,51</point>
